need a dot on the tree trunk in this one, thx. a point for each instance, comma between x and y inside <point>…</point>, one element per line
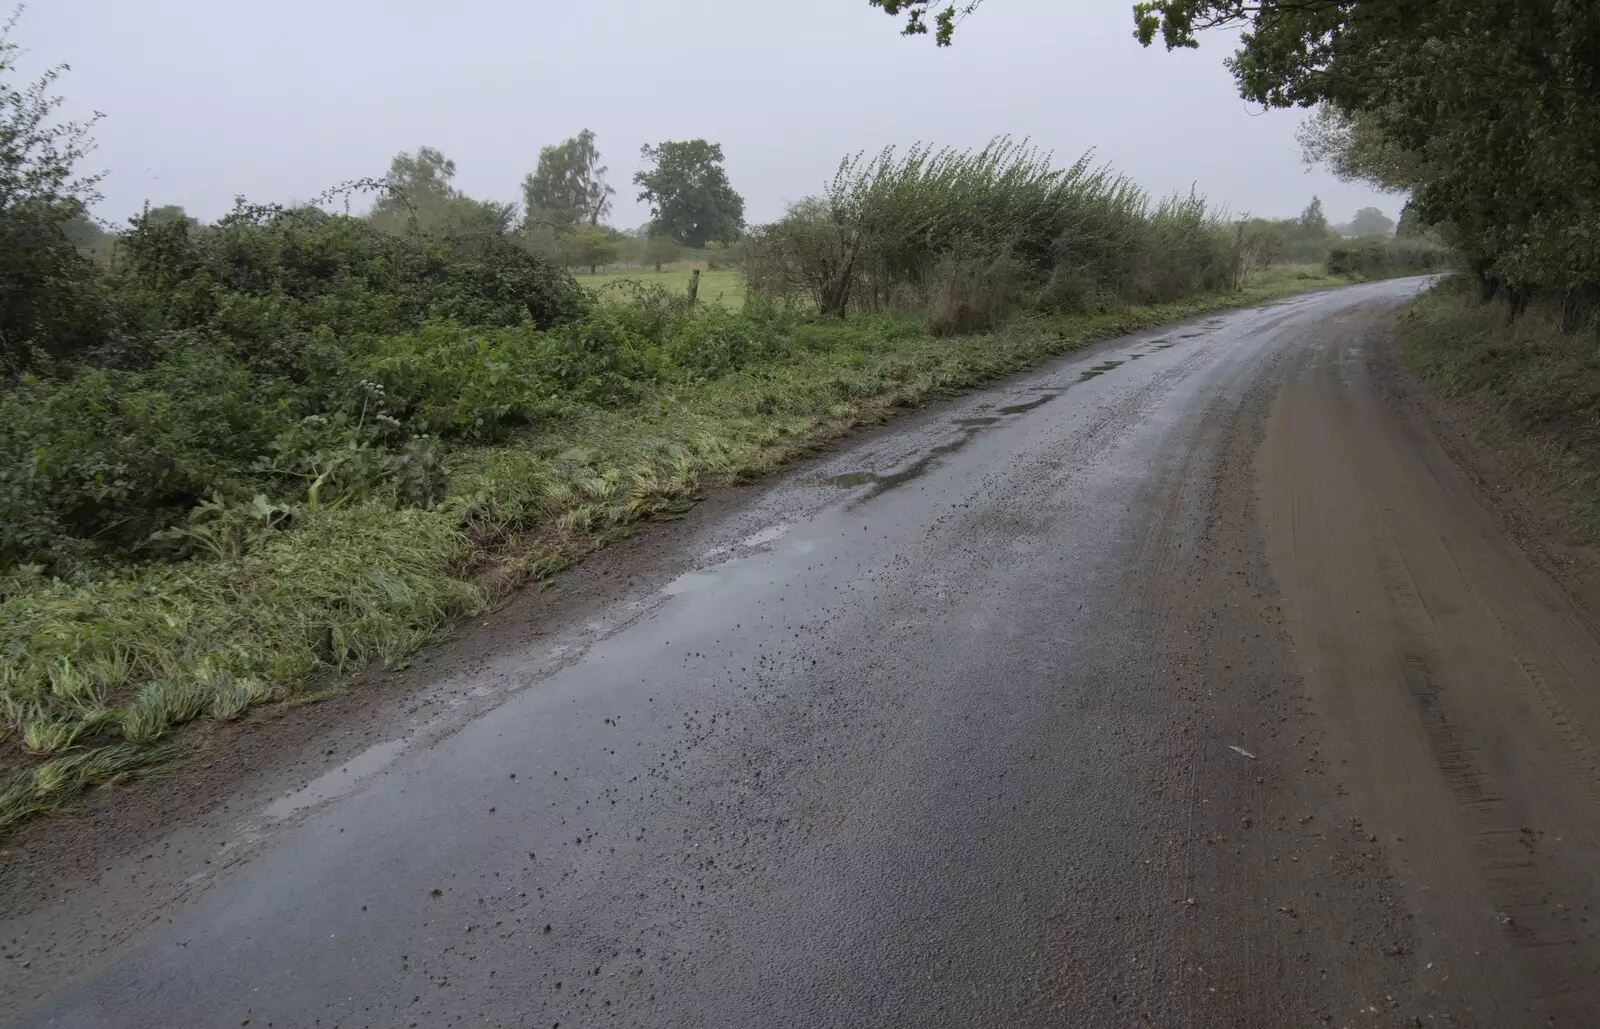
<point>1488,284</point>
<point>694,286</point>
<point>1578,306</point>
<point>835,298</point>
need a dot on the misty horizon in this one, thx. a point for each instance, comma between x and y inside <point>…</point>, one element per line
<point>202,104</point>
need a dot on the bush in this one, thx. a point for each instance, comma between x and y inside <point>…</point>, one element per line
<point>919,230</point>
<point>288,352</point>
<point>972,294</point>
<point>107,457</point>
<point>713,343</point>
<point>263,273</point>
<point>452,380</point>
<point>1374,258</point>
<point>721,257</point>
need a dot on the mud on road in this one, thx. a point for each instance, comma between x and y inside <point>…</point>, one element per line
<point>1189,681</point>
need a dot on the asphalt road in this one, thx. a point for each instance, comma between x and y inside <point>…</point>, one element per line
<point>1187,682</point>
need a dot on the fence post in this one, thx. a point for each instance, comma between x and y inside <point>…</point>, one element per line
<point>694,286</point>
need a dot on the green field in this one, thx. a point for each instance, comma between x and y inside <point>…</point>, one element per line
<point>723,287</point>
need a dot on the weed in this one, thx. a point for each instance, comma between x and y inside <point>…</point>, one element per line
<point>50,737</point>
<point>144,720</point>
<point>229,701</point>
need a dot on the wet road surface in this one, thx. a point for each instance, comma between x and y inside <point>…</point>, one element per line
<point>1180,683</point>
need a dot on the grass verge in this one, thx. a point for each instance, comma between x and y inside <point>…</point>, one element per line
<point>1533,393</point>
<point>108,667</point>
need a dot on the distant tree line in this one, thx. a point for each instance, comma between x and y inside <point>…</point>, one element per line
<point>567,198</point>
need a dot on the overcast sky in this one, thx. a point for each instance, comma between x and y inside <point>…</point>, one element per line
<point>205,99</point>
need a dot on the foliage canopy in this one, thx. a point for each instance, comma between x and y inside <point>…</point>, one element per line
<point>689,194</point>
<point>568,188</point>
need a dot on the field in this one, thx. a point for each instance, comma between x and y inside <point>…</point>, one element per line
<point>725,287</point>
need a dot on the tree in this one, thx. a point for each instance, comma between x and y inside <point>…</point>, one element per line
<point>1410,225</point>
<point>1306,238</point>
<point>1369,221</point>
<point>660,250</point>
<point>1260,244</point>
<point>47,298</point>
<point>689,194</point>
<point>169,214</point>
<point>419,196</point>
<point>589,245</point>
<point>1312,219</point>
<point>1355,148</point>
<point>568,188</point>
<point>916,12</point>
<point>1486,111</point>
<point>417,183</point>
<point>86,234</point>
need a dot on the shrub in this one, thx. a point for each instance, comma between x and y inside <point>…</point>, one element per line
<point>971,294</point>
<point>460,381</point>
<point>1374,258</point>
<point>106,457</point>
<point>265,272</point>
<point>918,230</point>
<point>712,343</point>
<point>1184,251</point>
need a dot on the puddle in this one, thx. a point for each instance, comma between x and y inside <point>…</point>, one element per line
<point>336,782</point>
<point>1030,405</point>
<point>884,480</point>
<point>915,468</point>
<point>755,539</point>
<point>765,536</point>
<point>688,582</point>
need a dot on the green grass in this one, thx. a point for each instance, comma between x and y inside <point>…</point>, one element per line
<point>1531,393</point>
<point>724,287</point>
<point>103,670</point>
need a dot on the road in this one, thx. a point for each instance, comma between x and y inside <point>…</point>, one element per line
<point>1190,681</point>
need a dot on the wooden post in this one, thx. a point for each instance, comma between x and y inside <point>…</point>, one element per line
<point>694,286</point>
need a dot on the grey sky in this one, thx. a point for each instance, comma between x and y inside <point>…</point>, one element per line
<point>205,99</point>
